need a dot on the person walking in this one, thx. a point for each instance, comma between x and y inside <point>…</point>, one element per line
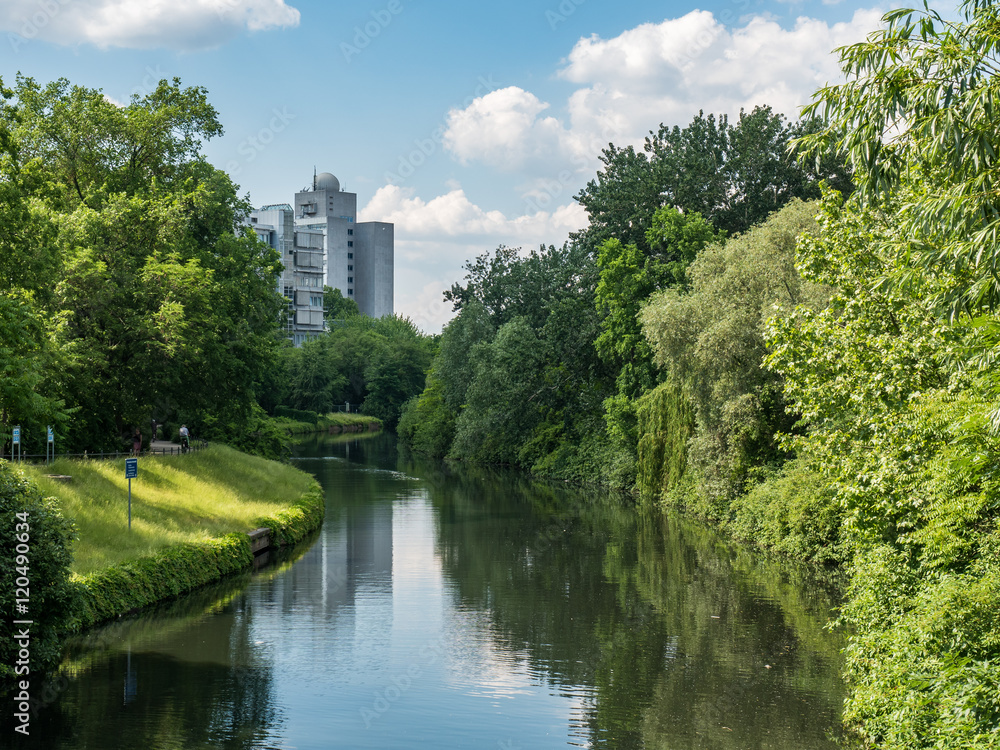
<point>185,439</point>
<point>136,442</point>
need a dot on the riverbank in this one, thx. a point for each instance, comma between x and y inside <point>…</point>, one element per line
<point>333,423</point>
<point>190,518</point>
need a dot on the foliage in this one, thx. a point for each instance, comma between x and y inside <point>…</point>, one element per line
<point>792,512</point>
<point>711,340</point>
<point>734,175</point>
<point>31,522</point>
<point>337,307</point>
<point>899,426</point>
<point>134,584</point>
<point>628,276</point>
<point>501,406</point>
<point>298,415</point>
<point>517,378</point>
<point>158,302</point>
<point>665,424</point>
<point>27,258</point>
<point>377,363</point>
<point>426,423</point>
<point>919,110</point>
<point>313,380</point>
<point>291,525</point>
<point>254,433</point>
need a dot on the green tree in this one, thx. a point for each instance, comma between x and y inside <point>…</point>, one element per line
<point>710,339</point>
<point>313,377</point>
<point>734,175</point>
<point>378,364</point>
<point>919,108</point>
<point>337,307</point>
<point>501,406</point>
<point>27,264</point>
<point>899,425</point>
<point>628,276</point>
<point>397,369</point>
<point>160,301</point>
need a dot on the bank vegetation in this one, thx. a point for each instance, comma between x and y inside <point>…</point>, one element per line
<point>790,330</point>
<point>189,521</point>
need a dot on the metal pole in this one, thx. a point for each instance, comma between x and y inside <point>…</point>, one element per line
<point>130,503</point>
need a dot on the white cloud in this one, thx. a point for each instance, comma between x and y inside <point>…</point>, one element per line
<point>141,24</point>
<point>453,218</point>
<point>657,72</point>
<point>504,129</point>
<point>666,72</point>
<point>434,238</point>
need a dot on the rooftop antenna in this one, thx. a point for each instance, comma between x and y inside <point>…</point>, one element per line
<point>314,177</point>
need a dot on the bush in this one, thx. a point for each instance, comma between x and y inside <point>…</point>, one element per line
<point>26,518</point>
<point>138,583</point>
<point>792,512</point>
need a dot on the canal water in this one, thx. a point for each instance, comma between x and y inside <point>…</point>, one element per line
<point>454,607</point>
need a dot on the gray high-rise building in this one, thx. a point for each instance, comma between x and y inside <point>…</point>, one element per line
<point>301,281</point>
<point>320,241</point>
<point>359,256</point>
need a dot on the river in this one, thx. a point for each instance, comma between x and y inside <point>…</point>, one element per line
<point>454,607</point>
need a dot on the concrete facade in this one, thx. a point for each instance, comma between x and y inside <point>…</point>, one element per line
<point>301,281</point>
<point>320,241</point>
<point>359,257</point>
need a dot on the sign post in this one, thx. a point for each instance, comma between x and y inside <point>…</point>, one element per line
<point>50,444</point>
<point>16,444</point>
<point>131,471</point>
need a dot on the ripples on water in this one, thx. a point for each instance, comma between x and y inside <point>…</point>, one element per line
<point>464,608</point>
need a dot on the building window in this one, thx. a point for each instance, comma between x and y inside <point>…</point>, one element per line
<point>350,255</point>
<point>350,243</point>
<point>350,279</point>
<point>350,292</point>
<point>349,231</point>
<point>350,268</point>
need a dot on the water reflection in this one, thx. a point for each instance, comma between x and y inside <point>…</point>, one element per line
<point>460,607</point>
<point>684,641</point>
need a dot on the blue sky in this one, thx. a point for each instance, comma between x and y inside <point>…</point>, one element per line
<point>468,125</point>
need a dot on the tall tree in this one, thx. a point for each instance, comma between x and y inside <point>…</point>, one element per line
<point>161,300</point>
<point>27,263</point>
<point>734,175</point>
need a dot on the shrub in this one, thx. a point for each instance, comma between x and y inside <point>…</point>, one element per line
<point>26,518</point>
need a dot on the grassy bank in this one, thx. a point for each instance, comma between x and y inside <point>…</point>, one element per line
<point>333,422</point>
<point>190,515</point>
<point>175,500</point>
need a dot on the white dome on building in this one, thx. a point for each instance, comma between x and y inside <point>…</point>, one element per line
<point>326,181</point>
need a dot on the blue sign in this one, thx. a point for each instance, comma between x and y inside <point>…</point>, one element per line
<point>52,437</point>
<point>131,468</point>
<point>17,436</point>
